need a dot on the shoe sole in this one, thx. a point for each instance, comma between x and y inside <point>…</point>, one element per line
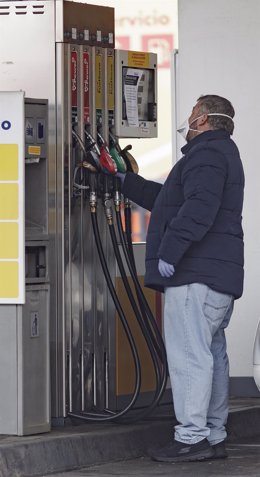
<point>222,456</point>
<point>199,456</point>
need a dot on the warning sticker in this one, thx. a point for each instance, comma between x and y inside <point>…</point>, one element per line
<point>137,59</point>
<point>34,150</point>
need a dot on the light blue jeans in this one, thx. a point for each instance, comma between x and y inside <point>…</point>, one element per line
<point>195,317</point>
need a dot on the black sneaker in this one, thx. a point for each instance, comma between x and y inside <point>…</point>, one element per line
<point>219,451</point>
<point>179,452</point>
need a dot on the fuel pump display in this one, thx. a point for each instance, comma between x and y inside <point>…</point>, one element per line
<point>136,94</point>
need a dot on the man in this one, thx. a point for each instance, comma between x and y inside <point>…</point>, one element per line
<point>194,255</point>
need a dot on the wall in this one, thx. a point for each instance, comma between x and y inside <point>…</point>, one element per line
<point>219,51</point>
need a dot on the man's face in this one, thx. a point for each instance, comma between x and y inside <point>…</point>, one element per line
<point>195,113</point>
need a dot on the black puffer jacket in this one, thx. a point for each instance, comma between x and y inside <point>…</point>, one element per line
<point>196,216</point>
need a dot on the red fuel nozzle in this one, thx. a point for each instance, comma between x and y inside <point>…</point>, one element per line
<point>107,163</point>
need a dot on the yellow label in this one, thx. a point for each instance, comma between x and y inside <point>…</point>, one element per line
<point>8,201</point>
<point>9,284</point>
<point>98,82</point>
<point>8,240</point>
<point>110,83</point>
<point>138,59</point>
<point>34,150</point>
<point>8,162</point>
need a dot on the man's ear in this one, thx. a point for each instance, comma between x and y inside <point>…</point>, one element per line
<point>202,119</point>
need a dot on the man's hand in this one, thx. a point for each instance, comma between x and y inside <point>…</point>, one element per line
<point>121,176</point>
<point>166,269</point>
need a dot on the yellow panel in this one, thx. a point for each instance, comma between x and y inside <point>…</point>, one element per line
<point>98,81</point>
<point>9,280</point>
<point>8,201</point>
<point>110,83</point>
<point>8,162</point>
<point>8,240</point>
<point>138,59</point>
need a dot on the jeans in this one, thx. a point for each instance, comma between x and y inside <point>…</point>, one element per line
<point>195,318</point>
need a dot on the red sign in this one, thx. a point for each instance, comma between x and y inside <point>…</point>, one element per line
<point>86,83</point>
<point>160,44</point>
<point>122,42</point>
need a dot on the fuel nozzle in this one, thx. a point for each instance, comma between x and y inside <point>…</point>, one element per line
<point>130,161</point>
<point>107,163</point>
<point>90,161</point>
<point>92,149</point>
<point>115,151</point>
<point>127,162</point>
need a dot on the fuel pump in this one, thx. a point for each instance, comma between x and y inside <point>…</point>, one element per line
<point>89,164</point>
<point>24,265</point>
<point>92,171</point>
<point>89,87</point>
<point>95,158</point>
<point>98,179</point>
<point>98,174</point>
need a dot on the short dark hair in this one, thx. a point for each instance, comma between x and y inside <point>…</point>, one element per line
<point>211,103</point>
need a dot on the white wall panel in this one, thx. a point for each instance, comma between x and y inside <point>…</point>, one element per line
<point>219,53</point>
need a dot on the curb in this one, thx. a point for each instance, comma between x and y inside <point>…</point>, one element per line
<point>243,423</point>
<point>74,447</point>
<point>62,452</point>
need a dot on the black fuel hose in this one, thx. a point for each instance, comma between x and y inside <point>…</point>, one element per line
<point>139,317</point>
<point>110,414</point>
<point>155,330</point>
<point>161,377</point>
<point>128,229</point>
<point>146,334</point>
<point>129,245</point>
<point>132,269</point>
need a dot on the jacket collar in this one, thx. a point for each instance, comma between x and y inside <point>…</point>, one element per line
<point>205,136</point>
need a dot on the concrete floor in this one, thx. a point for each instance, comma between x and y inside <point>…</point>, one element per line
<point>110,449</point>
<point>243,460</point>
